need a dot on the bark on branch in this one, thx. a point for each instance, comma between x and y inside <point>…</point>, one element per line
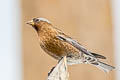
<point>60,71</point>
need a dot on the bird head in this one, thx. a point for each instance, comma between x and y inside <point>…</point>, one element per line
<point>37,23</point>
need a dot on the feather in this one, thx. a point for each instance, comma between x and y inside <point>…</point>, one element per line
<point>98,56</point>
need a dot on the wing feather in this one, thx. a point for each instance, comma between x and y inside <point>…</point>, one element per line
<point>79,47</point>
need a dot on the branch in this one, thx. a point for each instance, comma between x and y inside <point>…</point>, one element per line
<point>60,72</point>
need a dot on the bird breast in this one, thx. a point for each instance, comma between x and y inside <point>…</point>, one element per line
<point>55,47</point>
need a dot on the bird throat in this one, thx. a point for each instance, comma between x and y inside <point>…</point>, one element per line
<point>36,28</point>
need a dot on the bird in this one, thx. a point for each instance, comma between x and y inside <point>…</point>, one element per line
<point>58,44</point>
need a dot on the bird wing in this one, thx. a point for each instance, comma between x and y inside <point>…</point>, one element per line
<point>78,46</point>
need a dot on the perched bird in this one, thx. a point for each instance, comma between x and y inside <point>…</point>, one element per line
<point>57,44</point>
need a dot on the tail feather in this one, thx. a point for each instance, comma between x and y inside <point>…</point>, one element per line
<point>94,61</point>
<point>98,56</point>
<point>103,66</point>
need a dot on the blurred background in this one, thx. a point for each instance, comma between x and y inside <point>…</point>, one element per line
<point>94,23</point>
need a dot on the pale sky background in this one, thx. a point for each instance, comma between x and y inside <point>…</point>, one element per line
<point>10,40</point>
<point>116,30</point>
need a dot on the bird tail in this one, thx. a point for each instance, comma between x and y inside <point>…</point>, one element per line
<point>103,66</point>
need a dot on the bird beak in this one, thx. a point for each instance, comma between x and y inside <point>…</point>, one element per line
<point>30,22</point>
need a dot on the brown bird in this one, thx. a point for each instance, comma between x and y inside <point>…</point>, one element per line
<point>57,44</point>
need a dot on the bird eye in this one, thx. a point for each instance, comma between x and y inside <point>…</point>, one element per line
<point>35,20</point>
